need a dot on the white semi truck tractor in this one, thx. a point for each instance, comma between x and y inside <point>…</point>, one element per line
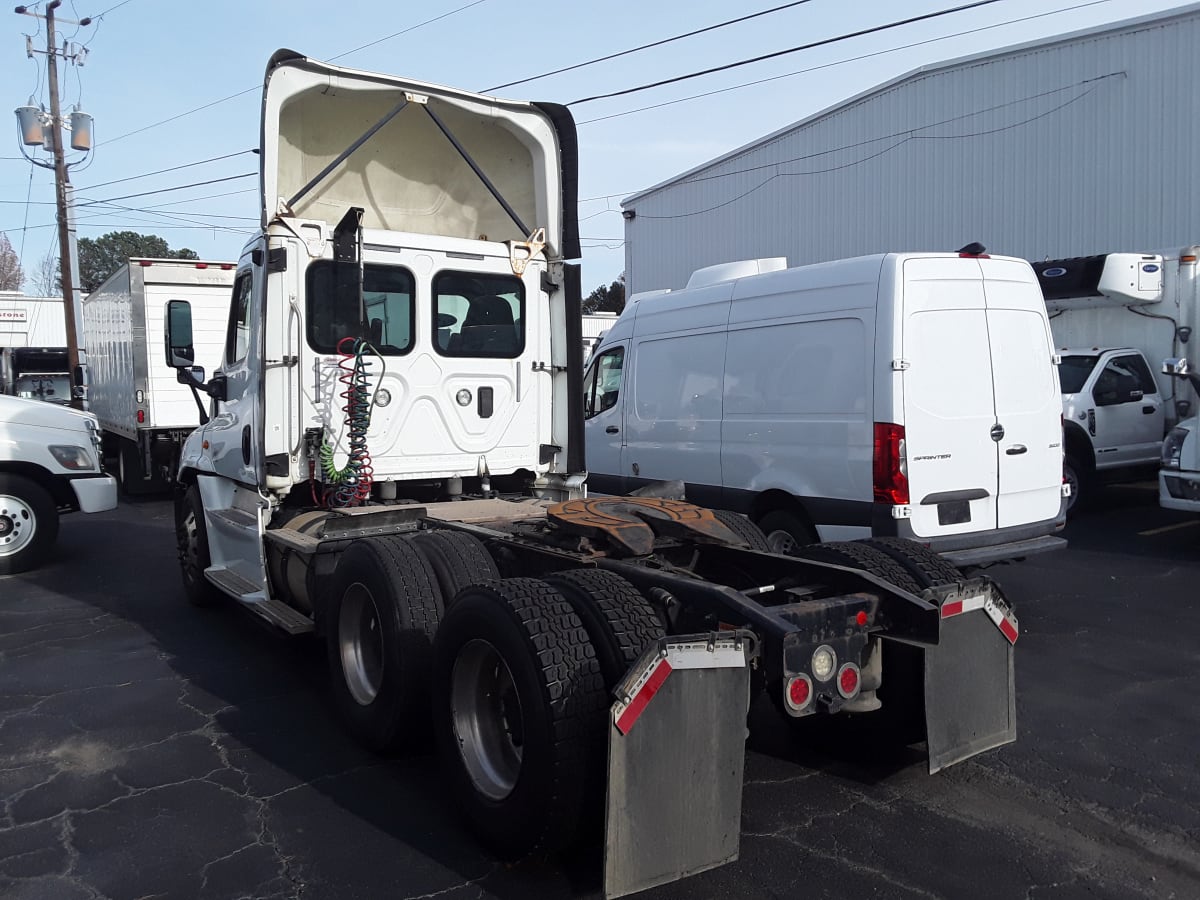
<point>392,455</point>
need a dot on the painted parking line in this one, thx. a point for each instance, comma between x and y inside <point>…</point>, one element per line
<point>1166,528</point>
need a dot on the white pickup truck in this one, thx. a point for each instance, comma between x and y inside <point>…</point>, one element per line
<point>49,463</point>
<point>1113,417</point>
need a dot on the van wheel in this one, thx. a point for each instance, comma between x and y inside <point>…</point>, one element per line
<point>518,713</point>
<point>381,607</point>
<point>786,532</point>
<point>620,622</point>
<point>456,559</point>
<point>191,541</point>
<point>750,533</point>
<point>28,524</point>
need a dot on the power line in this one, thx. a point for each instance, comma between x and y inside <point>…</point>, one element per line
<point>92,187</point>
<point>858,162</point>
<point>778,53</point>
<point>257,87</point>
<point>111,8</point>
<point>678,37</point>
<point>166,190</point>
<point>830,65</point>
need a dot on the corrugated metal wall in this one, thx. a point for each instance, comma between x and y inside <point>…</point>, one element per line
<point>1060,149</point>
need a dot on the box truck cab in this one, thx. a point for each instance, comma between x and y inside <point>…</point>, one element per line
<point>901,394</point>
<point>1179,477</point>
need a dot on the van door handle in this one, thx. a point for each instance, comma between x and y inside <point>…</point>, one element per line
<point>1016,449</point>
<point>1148,410</point>
<point>611,429</point>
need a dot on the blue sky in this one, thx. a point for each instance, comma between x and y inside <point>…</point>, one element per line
<point>150,60</point>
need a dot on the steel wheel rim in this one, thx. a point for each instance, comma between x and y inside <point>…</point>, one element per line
<point>18,525</point>
<point>781,541</point>
<point>488,719</point>
<point>360,644</point>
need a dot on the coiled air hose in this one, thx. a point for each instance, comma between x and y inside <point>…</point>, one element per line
<point>351,484</point>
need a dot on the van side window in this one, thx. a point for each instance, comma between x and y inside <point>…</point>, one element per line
<point>237,339</point>
<point>603,382</point>
<point>477,315</point>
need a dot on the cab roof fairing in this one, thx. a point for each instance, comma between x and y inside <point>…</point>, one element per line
<point>408,177</point>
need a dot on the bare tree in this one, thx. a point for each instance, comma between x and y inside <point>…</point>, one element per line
<point>45,280</point>
<point>11,276</point>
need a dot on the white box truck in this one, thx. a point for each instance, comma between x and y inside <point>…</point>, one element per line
<point>906,395</point>
<point>1115,318</point>
<point>144,411</point>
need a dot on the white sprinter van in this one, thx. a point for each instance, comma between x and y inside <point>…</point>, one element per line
<point>904,394</point>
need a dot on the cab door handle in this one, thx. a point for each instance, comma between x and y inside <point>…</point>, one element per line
<point>1016,449</point>
<point>1148,410</point>
<point>611,429</point>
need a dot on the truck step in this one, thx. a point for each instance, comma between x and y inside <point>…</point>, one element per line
<point>252,597</point>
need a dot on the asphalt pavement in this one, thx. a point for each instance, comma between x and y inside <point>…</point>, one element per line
<point>148,749</point>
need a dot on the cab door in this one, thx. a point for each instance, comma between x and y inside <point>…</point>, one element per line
<point>604,419</point>
<point>1129,412</point>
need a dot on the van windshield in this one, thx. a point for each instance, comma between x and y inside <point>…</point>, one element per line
<point>1074,372</point>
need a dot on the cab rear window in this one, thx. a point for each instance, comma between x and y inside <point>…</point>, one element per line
<point>384,318</point>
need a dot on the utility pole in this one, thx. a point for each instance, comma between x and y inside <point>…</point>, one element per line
<point>61,182</point>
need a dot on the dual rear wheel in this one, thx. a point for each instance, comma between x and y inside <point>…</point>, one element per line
<point>519,672</point>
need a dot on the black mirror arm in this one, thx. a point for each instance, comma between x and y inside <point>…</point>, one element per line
<point>185,376</point>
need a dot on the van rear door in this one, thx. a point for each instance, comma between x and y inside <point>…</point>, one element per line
<point>1028,402</point>
<point>948,406</point>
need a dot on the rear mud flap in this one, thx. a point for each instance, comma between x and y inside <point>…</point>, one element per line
<point>970,701</point>
<point>676,753</point>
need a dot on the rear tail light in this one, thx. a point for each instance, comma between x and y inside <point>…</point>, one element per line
<point>848,680</point>
<point>799,693</point>
<point>889,466</point>
<point>141,416</point>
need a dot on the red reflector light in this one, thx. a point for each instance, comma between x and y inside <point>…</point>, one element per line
<point>141,416</point>
<point>145,263</point>
<point>201,265</point>
<point>973,256</point>
<point>848,680</point>
<point>799,692</point>
<point>861,618</point>
<point>226,266</point>
<point>888,465</point>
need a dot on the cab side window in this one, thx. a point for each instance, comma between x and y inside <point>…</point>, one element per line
<point>602,384</point>
<point>1124,379</point>
<point>237,340</point>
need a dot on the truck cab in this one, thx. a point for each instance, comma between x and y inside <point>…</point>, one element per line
<point>1179,477</point>
<point>1113,415</point>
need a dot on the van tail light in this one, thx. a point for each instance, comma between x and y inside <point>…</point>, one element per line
<point>889,466</point>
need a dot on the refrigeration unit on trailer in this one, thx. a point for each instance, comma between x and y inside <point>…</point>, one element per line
<point>394,460</point>
<point>144,410</point>
<point>898,395</point>
<point>1115,318</point>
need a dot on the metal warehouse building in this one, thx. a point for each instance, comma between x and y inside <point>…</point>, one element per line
<point>1074,145</point>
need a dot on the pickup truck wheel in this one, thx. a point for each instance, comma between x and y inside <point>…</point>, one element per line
<point>926,566</point>
<point>382,608</point>
<point>620,622</point>
<point>456,559</point>
<point>518,714</point>
<point>191,540</point>
<point>750,533</point>
<point>786,532</point>
<point>28,524</point>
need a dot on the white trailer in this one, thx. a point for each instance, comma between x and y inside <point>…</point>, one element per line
<point>1115,318</point>
<point>144,411</point>
<point>594,327</point>
<point>31,321</point>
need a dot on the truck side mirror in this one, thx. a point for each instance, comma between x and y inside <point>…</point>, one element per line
<point>178,320</point>
<point>1176,366</point>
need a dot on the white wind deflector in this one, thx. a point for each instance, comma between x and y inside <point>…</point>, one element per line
<point>407,175</point>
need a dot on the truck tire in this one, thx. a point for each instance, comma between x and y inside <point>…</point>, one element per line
<point>28,523</point>
<point>786,531</point>
<point>456,559</point>
<point>750,533</point>
<point>620,622</point>
<point>1082,482</point>
<point>381,607</point>
<point>926,566</point>
<point>860,556</point>
<point>129,469</point>
<point>518,714</point>
<point>191,541</point>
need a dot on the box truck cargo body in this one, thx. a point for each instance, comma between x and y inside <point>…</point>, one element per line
<point>903,394</point>
<point>144,411</point>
